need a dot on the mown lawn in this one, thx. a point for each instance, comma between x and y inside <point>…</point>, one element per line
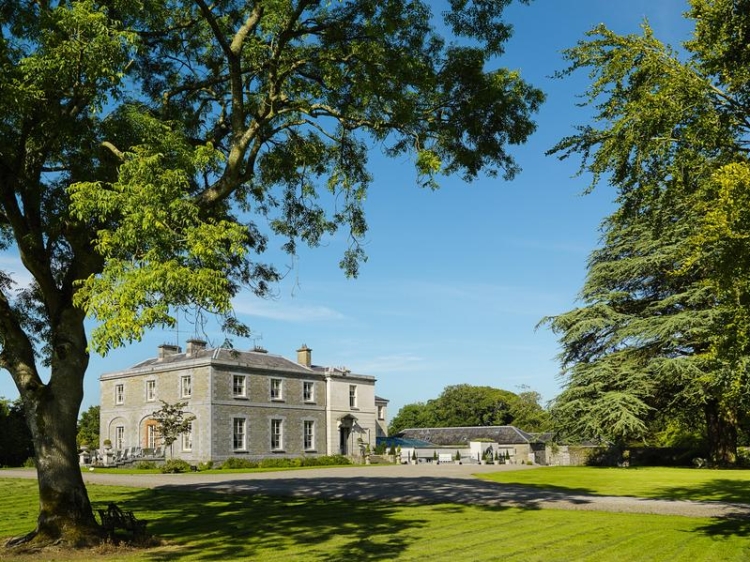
<point>212,526</point>
<point>645,482</point>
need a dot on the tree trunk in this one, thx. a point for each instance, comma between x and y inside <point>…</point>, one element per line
<point>721,425</point>
<point>65,513</point>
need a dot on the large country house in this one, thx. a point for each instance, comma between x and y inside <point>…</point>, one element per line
<point>248,404</point>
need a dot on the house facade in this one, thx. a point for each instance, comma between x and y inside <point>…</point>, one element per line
<point>247,404</point>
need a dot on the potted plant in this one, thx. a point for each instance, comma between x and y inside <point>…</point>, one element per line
<point>107,444</point>
<point>414,456</point>
<point>497,458</point>
<point>435,457</point>
<point>458,457</point>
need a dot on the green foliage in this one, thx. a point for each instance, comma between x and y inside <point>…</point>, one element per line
<point>280,462</point>
<point>145,465</point>
<point>464,405</point>
<point>175,466</point>
<point>172,422</point>
<point>16,446</point>
<point>88,427</point>
<point>662,329</point>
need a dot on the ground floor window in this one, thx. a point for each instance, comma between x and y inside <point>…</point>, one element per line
<point>152,433</point>
<point>309,435</point>
<point>119,437</point>
<point>276,435</point>
<point>239,438</point>
<point>187,438</point>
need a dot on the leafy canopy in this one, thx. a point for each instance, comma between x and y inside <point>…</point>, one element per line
<point>663,307</point>
<point>239,121</point>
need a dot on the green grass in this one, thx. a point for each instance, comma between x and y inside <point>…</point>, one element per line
<point>213,526</point>
<point>651,482</point>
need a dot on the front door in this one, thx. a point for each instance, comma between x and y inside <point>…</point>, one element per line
<point>344,433</point>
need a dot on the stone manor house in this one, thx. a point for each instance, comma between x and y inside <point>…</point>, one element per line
<point>247,404</point>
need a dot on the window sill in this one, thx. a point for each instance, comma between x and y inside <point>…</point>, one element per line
<point>241,397</point>
<point>277,400</point>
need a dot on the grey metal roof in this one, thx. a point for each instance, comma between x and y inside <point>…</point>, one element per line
<point>503,434</point>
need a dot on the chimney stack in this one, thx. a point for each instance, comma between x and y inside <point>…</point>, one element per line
<point>304,356</point>
<point>167,349</point>
<point>194,346</point>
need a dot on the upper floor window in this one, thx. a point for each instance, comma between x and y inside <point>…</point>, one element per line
<point>119,394</point>
<point>150,391</point>
<point>381,412</point>
<point>276,389</point>
<point>239,434</point>
<point>186,386</point>
<point>239,386</point>
<point>308,391</point>
<point>352,395</point>
<point>277,442</point>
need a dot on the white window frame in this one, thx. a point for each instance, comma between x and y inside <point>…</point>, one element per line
<point>352,395</point>
<point>277,434</point>
<point>308,391</point>
<point>243,391</point>
<point>187,438</point>
<point>186,386</point>
<point>119,393</point>
<point>150,390</point>
<point>277,389</point>
<point>381,412</point>
<point>308,435</point>
<point>152,433</point>
<point>119,437</point>
<point>241,443</point>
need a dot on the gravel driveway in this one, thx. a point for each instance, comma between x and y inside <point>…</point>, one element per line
<point>424,483</point>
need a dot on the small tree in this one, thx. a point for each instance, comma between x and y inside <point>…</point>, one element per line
<point>88,427</point>
<point>172,422</point>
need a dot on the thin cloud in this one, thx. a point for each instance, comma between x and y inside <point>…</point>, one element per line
<point>277,310</point>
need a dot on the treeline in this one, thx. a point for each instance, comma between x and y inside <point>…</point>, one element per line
<point>465,405</point>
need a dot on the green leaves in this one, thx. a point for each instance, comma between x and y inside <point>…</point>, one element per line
<point>660,330</point>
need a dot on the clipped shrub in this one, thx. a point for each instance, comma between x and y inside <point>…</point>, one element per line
<point>29,463</point>
<point>145,465</point>
<point>205,465</point>
<point>234,462</point>
<point>175,466</point>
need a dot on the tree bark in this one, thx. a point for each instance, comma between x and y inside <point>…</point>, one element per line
<point>65,512</point>
<point>721,425</point>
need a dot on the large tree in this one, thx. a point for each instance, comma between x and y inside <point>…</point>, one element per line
<point>465,405</point>
<point>150,149</point>
<point>657,328</point>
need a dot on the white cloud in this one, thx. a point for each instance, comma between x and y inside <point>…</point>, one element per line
<point>277,310</point>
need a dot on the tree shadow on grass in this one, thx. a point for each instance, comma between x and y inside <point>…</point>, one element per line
<point>719,489</point>
<point>328,518</point>
<point>219,526</point>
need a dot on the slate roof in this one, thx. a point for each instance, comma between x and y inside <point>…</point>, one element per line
<point>403,442</point>
<point>443,436</point>
<point>257,359</point>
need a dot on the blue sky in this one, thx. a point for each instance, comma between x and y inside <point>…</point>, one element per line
<point>456,279</point>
